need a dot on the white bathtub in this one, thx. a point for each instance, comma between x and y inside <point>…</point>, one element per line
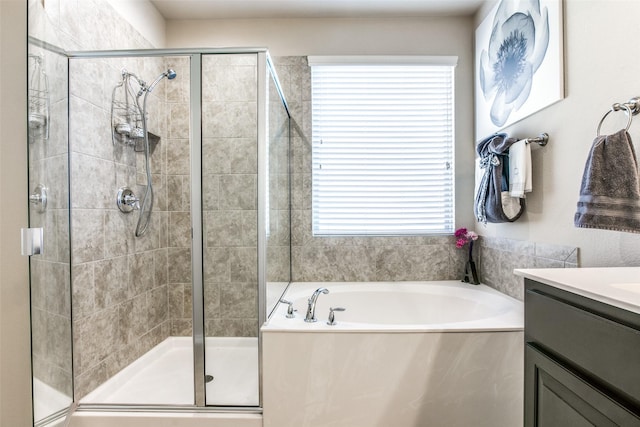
<point>401,306</point>
<point>402,354</point>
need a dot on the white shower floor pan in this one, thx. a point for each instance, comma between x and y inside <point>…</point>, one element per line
<point>164,375</point>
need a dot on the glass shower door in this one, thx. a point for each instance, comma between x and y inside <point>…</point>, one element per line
<point>49,210</point>
<point>132,300</point>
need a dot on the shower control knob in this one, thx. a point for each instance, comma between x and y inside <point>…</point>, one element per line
<point>39,198</point>
<point>127,201</point>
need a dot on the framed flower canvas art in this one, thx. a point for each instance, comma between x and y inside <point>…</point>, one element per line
<point>519,62</point>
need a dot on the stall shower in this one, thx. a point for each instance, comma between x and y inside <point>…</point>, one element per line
<point>177,224</point>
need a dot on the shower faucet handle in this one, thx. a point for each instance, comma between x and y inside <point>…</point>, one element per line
<point>126,200</point>
<point>290,310</point>
<point>332,316</point>
<point>132,201</point>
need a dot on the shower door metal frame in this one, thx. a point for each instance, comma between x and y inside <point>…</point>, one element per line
<point>264,64</point>
<point>197,241</point>
<point>262,183</point>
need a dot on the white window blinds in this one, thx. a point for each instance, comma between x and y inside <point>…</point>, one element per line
<point>382,148</point>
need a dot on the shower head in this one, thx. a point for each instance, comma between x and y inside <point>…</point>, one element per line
<point>169,74</point>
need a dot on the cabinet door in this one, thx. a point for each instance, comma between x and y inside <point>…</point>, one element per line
<point>555,397</point>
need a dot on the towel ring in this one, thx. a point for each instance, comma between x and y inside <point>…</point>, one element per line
<point>617,107</point>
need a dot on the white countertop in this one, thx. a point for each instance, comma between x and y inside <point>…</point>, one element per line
<point>616,286</point>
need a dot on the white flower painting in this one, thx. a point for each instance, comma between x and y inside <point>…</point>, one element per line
<point>518,62</point>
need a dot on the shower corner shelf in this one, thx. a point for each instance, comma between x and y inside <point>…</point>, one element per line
<point>153,141</point>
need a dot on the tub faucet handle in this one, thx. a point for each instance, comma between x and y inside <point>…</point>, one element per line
<point>332,316</point>
<point>290,309</point>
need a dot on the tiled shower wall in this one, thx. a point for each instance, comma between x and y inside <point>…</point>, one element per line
<point>178,202</point>
<point>229,197</point>
<point>229,181</point>
<point>120,292</point>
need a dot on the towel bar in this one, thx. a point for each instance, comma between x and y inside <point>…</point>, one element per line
<point>541,140</point>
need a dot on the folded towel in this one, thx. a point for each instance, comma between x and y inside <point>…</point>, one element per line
<point>520,169</point>
<point>490,204</point>
<point>610,189</point>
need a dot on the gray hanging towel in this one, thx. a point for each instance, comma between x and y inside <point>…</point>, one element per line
<point>610,190</point>
<point>492,202</point>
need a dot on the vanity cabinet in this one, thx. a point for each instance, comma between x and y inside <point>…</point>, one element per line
<point>582,360</point>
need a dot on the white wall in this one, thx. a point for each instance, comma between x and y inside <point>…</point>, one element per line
<point>329,36</point>
<point>15,380</point>
<point>144,17</point>
<point>601,67</point>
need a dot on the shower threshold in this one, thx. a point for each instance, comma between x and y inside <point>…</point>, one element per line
<point>164,375</point>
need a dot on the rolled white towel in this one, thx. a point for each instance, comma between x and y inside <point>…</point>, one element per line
<point>520,181</point>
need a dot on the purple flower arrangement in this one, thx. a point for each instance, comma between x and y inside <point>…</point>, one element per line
<point>464,236</point>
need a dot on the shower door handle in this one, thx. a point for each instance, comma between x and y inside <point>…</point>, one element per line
<point>32,241</point>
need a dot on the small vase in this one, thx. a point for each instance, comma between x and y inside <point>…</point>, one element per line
<point>470,271</point>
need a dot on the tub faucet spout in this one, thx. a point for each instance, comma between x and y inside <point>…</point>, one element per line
<point>311,309</point>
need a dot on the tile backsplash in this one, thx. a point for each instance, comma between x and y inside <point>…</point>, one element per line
<point>498,257</point>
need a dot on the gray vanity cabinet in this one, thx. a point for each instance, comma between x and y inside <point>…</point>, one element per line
<point>582,361</point>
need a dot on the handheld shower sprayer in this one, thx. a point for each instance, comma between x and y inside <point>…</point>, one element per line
<point>147,201</point>
<point>169,74</point>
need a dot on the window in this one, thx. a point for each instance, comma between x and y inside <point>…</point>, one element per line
<point>382,145</point>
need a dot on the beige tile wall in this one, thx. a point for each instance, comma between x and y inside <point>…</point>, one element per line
<point>498,257</point>
<point>120,282</point>
<point>178,198</point>
<point>229,159</point>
